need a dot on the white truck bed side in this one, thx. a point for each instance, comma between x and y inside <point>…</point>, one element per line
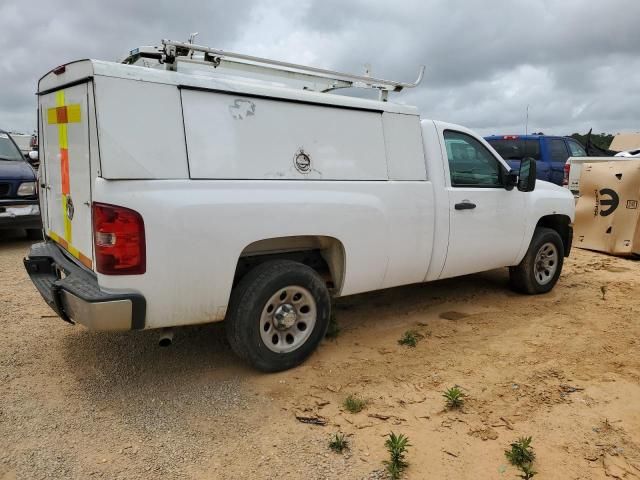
<point>192,257</point>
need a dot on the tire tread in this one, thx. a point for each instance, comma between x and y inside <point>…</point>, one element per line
<point>242,303</point>
<point>521,277</point>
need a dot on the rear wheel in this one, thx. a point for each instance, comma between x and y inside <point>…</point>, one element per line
<point>278,314</point>
<point>539,270</point>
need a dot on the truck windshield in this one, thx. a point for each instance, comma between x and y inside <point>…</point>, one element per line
<point>516,148</point>
<point>8,151</point>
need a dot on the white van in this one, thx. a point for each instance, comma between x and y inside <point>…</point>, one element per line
<point>173,198</point>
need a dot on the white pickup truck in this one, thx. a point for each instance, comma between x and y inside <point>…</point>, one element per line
<point>173,198</point>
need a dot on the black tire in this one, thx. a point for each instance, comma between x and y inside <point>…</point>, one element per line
<point>523,278</point>
<point>249,299</point>
<point>34,234</point>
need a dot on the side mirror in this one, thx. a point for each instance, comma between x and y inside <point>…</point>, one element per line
<point>33,155</point>
<point>527,175</point>
<point>511,180</point>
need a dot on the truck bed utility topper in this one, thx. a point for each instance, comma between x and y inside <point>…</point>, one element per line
<point>171,53</point>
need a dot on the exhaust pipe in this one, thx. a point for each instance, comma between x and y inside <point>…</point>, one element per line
<point>166,337</point>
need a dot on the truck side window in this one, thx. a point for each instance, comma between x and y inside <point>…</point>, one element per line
<point>470,163</point>
<point>558,150</point>
<point>576,149</point>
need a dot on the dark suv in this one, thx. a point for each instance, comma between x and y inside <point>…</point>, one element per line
<point>18,190</point>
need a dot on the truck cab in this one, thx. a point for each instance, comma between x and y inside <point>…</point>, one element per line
<point>550,152</point>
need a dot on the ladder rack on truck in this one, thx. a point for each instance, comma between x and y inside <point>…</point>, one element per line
<point>172,52</point>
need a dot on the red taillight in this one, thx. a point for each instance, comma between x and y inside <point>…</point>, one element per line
<point>510,137</point>
<point>118,236</point>
<point>567,170</point>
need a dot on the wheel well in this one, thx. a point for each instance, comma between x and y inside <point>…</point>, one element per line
<point>324,254</point>
<point>562,225</point>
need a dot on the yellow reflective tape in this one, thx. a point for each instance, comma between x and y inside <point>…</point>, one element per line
<point>54,236</point>
<point>60,98</point>
<point>52,116</point>
<point>62,135</point>
<point>74,251</point>
<point>73,113</point>
<point>63,145</point>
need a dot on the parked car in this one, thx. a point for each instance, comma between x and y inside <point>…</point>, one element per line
<point>26,143</point>
<point>635,153</point>
<point>18,190</point>
<point>551,153</point>
<point>187,199</point>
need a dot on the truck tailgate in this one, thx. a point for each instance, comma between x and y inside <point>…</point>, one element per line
<point>66,170</point>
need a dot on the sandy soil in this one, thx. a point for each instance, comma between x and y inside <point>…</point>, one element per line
<point>563,368</point>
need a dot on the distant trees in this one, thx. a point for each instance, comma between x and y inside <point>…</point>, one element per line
<point>600,140</point>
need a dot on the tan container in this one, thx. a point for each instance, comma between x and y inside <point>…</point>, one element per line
<point>608,213</point>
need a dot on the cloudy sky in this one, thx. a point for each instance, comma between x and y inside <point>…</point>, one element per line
<point>576,63</point>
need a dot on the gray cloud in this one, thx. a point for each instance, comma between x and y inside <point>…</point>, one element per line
<point>575,62</point>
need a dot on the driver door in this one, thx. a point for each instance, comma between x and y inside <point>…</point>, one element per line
<point>486,222</point>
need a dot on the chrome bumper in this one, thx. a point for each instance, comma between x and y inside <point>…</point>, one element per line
<point>72,291</point>
<point>114,315</point>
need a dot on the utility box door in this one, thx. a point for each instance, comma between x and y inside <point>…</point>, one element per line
<point>231,136</point>
<point>65,145</point>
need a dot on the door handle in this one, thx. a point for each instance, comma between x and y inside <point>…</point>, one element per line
<point>465,205</point>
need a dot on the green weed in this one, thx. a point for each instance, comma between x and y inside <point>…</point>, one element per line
<point>333,330</point>
<point>338,443</point>
<point>410,338</point>
<point>354,404</point>
<point>454,398</point>
<point>522,456</point>
<point>397,448</point>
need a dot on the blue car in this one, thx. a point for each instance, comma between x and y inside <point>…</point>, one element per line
<point>551,153</point>
<point>19,206</point>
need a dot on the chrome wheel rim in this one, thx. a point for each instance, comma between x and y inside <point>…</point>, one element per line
<point>287,319</point>
<point>546,263</point>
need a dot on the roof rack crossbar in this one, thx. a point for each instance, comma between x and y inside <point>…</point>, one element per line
<point>173,52</point>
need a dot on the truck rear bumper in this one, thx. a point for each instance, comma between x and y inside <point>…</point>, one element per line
<point>73,292</point>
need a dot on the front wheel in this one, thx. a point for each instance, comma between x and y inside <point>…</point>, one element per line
<point>278,314</point>
<point>539,270</point>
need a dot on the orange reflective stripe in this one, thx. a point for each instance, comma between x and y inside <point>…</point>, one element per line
<point>63,114</point>
<point>64,170</point>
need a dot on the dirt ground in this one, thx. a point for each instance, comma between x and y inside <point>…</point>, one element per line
<point>563,368</point>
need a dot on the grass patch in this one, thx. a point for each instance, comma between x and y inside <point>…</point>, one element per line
<point>354,404</point>
<point>397,447</point>
<point>338,443</point>
<point>453,398</point>
<point>410,338</point>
